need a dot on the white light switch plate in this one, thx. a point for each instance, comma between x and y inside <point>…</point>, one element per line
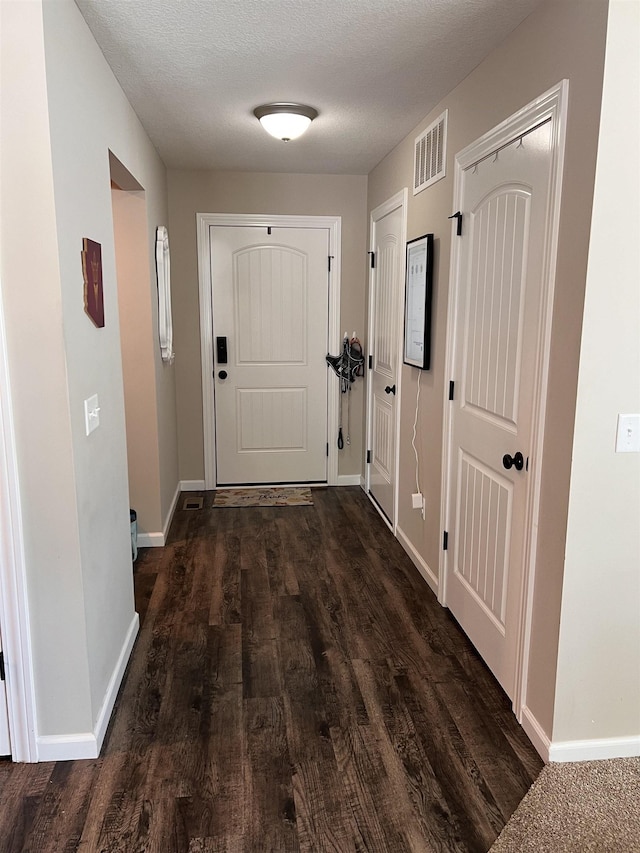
<point>628,435</point>
<point>91,414</point>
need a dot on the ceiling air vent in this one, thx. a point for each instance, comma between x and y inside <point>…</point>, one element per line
<point>430,158</point>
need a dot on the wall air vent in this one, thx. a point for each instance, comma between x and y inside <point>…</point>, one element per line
<point>430,157</point>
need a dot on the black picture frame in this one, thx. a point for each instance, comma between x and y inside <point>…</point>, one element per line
<point>418,291</point>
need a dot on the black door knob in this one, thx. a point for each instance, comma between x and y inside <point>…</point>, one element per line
<point>390,389</point>
<point>516,461</point>
<point>222,374</point>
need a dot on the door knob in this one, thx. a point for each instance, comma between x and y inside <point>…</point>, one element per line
<point>517,461</point>
<point>222,374</point>
<point>390,389</point>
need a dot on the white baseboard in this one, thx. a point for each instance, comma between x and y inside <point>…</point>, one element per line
<point>172,509</point>
<point>363,483</point>
<point>88,744</point>
<point>192,485</point>
<point>535,733</point>
<point>417,560</point>
<point>348,479</point>
<point>114,682</point>
<point>595,750</point>
<point>158,540</point>
<point>67,747</point>
<point>150,540</point>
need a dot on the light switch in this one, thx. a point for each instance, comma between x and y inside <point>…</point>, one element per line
<point>628,436</point>
<point>91,414</point>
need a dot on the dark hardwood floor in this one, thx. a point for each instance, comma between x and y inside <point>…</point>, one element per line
<point>295,686</point>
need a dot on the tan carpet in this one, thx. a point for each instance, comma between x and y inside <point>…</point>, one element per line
<point>263,497</point>
<point>582,807</point>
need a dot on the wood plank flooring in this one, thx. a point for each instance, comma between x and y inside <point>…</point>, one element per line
<point>295,686</point>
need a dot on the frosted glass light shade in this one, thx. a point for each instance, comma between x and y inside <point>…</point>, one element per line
<point>285,121</point>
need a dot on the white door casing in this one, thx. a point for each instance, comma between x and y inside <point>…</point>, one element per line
<point>270,289</point>
<point>386,291</point>
<point>507,186</point>
<point>14,609</point>
<point>5,740</point>
<point>204,223</point>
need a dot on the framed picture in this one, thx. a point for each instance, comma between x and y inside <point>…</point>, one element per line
<point>417,302</point>
<point>92,274</point>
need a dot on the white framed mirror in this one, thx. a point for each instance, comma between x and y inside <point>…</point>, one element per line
<point>163,272</point>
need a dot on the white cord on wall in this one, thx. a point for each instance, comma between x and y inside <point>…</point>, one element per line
<point>415,426</point>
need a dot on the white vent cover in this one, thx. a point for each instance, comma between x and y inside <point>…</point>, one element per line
<point>430,158</point>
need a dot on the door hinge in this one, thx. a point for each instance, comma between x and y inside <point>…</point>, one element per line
<point>445,541</point>
<point>457,216</point>
<point>368,457</point>
<point>370,362</point>
<point>330,259</point>
<point>1,666</point>
<point>269,229</point>
<point>327,448</point>
<point>451,386</point>
<point>372,258</point>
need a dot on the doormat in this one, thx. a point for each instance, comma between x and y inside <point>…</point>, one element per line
<point>263,497</point>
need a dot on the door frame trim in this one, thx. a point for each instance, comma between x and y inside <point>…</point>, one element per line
<point>553,106</point>
<point>398,200</point>
<point>14,607</point>
<point>203,222</point>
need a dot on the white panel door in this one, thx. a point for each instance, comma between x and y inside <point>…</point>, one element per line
<point>5,743</point>
<point>270,302</point>
<point>386,307</point>
<point>505,202</point>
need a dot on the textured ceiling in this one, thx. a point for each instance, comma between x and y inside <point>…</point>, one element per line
<point>195,69</point>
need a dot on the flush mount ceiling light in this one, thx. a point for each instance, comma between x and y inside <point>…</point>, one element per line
<point>285,121</point>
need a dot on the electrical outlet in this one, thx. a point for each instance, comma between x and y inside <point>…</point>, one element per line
<point>416,500</point>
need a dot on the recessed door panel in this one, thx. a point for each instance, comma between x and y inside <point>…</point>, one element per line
<point>271,294</point>
<point>271,419</point>
<point>483,532</point>
<point>493,331</point>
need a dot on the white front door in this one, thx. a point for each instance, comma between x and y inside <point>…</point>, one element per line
<point>270,311</point>
<point>386,300</point>
<point>497,332</point>
<point>5,742</point>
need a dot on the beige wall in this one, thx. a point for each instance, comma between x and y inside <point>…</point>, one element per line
<point>255,192</point>
<point>31,294</point>
<point>137,342</point>
<point>598,684</point>
<point>562,39</point>
<point>89,116</point>
<point>62,111</point>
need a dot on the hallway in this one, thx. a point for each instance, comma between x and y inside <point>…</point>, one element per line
<point>294,686</point>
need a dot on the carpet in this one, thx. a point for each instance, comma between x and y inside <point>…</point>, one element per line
<point>578,807</point>
<point>263,497</point>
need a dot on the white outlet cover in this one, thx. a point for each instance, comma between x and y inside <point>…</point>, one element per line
<point>628,434</point>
